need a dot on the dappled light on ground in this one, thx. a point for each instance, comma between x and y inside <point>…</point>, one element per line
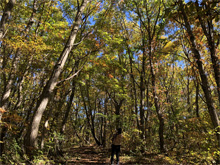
<point>98,155</point>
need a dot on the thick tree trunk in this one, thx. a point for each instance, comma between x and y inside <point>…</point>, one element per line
<point>31,137</point>
<point>46,123</point>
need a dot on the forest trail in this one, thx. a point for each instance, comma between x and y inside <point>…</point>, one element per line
<point>88,155</point>
<point>98,155</point>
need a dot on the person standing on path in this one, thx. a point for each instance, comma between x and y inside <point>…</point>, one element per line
<point>116,145</point>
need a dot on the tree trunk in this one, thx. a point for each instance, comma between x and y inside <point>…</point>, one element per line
<point>156,103</point>
<point>147,121</point>
<point>89,117</point>
<point>69,104</point>
<point>133,86</point>
<point>197,99</point>
<point>209,33</point>
<point>105,122</point>
<point>2,135</point>
<point>142,88</point>
<point>31,137</point>
<point>68,109</point>
<point>204,79</point>
<point>6,14</point>
<point>188,94</point>
<point>117,112</point>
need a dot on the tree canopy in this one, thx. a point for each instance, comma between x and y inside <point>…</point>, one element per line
<point>72,71</point>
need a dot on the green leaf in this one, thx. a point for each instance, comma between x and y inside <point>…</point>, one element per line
<point>101,115</point>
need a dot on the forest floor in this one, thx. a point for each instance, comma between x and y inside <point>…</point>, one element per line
<point>97,155</point>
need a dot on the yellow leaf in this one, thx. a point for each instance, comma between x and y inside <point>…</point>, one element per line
<point>170,46</point>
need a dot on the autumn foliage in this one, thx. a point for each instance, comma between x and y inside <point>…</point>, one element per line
<point>74,71</point>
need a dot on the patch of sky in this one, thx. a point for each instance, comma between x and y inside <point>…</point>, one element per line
<point>181,64</point>
<point>90,21</point>
<point>65,15</point>
<point>100,54</point>
<point>187,1</point>
<point>134,54</point>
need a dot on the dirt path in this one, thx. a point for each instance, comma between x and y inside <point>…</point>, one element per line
<point>95,155</point>
<point>88,155</point>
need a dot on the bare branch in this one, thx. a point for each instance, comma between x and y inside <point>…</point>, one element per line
<point>74,75</point>
<point>82,39</point>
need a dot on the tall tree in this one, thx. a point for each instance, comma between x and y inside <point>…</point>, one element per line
<point>207,14</point>
<point>151,26</point>
<point>200,66</point>
<point>31,136</point>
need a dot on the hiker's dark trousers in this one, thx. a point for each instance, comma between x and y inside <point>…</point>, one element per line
<point>115,150</point>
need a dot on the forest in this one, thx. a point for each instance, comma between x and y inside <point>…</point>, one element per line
<point>73,71</point>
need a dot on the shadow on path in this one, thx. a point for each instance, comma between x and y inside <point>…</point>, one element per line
<point>88,155</point>
<point>97,155</point>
